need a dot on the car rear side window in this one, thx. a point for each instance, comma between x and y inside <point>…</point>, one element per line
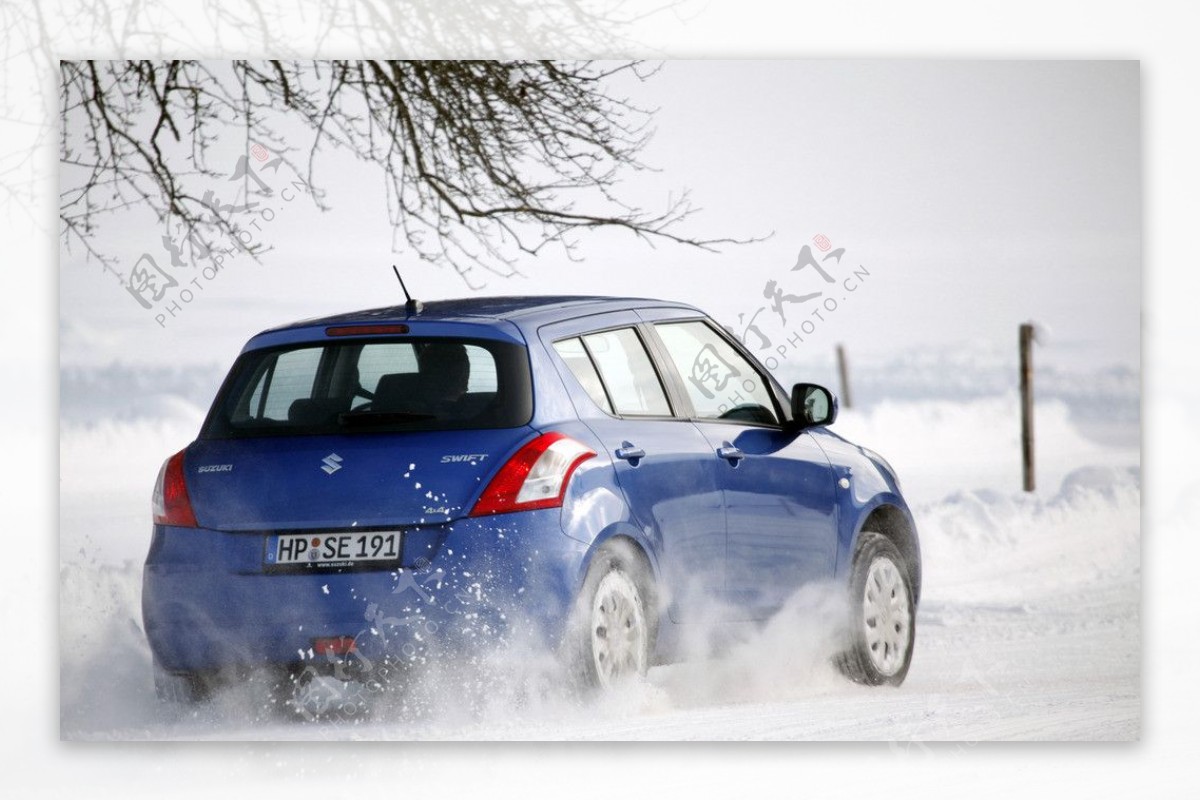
<point>627,373</point>
<point>580,364</point>
<point>418,384</point>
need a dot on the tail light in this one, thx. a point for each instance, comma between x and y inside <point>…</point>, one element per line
<point>536,476</point>
<point>172,507</point>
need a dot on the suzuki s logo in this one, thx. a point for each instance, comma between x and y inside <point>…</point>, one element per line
<point>333,463</point>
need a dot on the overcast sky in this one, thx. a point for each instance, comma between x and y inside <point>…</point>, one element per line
<point>976,195</point>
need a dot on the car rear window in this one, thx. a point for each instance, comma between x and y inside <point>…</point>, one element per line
<point>414,384</point>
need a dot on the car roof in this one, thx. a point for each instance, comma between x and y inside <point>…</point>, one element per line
<point>524,310</point>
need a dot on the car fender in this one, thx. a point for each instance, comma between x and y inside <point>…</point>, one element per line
<point>856,525</point>
<point>871,486</point>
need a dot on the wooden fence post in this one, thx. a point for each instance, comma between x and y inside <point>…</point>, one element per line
<point>1026,339</point>
<point>844,373</point>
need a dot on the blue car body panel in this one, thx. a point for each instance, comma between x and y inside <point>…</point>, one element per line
<point>671,496</point>
<point>872,486</point>
<point>209,604</point>
<point>781,515</point>
<point>382,478</point>
<point>720,539</point>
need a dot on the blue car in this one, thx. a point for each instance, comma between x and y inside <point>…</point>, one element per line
<point>378,490</point>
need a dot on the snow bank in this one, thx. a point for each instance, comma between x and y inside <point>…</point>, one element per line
<point>1022,549</point>
<point>940,446</point>
<point>105,684</point>
<point>1085,378</point>
<point>117,391</point>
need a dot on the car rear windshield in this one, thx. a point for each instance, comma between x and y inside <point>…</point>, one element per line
<point>414,384</point>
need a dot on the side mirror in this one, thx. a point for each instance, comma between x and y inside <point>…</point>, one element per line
<point>813,405</point>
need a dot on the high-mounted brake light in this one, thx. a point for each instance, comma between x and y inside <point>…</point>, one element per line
<point>171,504</point>
<point>364,330</point>
<point>536,476</point>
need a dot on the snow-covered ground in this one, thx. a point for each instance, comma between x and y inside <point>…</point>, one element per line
<point>1029,626</point>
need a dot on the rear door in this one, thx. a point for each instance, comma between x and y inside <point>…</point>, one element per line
<point>778,487</point>
<point>663,464</point>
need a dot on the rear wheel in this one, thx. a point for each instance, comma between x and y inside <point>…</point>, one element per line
<point>615,619</point>
<point>178,688</point>
<point>882,616</point>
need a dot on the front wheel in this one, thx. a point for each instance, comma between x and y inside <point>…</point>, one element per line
<point>882,616</point>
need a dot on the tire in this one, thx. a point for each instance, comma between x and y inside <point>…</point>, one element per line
<point>882,619</point>
<point>178,688</point>
<point>617,598</point>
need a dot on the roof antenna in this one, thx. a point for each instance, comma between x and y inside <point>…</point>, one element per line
<point>411,306</point>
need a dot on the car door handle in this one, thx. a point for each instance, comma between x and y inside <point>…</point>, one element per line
<point>730,453</point>
<point>630,453</point>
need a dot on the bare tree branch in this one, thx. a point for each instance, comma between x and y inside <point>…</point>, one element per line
<point>484,162</point>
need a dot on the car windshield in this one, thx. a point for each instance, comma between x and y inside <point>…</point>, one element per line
<point>414,384</point>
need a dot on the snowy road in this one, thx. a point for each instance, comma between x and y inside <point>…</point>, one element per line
<point>1029,627</point>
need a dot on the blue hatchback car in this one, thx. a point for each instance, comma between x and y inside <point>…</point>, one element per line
<point>393,486</point>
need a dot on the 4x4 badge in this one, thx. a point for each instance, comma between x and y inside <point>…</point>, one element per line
<point>333,463</point>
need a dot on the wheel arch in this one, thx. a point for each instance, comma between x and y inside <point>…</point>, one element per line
<point>896,523</point>
<point>626,540</point>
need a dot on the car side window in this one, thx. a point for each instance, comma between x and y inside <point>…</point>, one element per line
<point>580,364</point>
<point>721,383</point>
<point>627,373</point>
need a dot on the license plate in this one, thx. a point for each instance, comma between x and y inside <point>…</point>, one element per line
<point>341,549</point>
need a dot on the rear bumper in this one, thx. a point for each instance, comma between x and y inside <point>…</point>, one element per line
<point>207,605</point>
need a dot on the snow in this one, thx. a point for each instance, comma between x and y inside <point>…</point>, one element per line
<point>1029,626</point>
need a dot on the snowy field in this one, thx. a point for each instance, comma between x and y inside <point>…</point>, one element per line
<point>1029,627</point>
